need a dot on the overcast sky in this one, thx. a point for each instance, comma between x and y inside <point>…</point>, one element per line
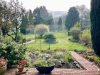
<point>54,5</point>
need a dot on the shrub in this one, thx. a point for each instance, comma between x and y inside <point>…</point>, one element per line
<point>14,53</point>
<point>11,51</point>
<point>75,33</point>
<point>41,30</point>
<point>19,38</point>
<point>50,38</point>
<point>86,37</point>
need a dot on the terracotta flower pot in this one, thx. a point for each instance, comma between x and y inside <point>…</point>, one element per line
<point>21,65</point>
<point>3,69</point>
<point>20,69</point>
<point>3,65</point>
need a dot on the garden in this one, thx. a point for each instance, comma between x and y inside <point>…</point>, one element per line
<point>37,40</point>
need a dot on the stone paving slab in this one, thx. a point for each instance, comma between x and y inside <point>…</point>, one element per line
<point>85,63</point>
<point>90,68</point>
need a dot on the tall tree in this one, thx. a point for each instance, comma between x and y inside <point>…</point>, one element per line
<point>30,17</point>
<point>95,25</point>
<point>17,12</point>
<point>24,24</point>
<point>5,15</point>
<point>59,24</point>
<point>84,14</point>
<point>42,16</point>
<point>72,18</point>
<point>60,21</point>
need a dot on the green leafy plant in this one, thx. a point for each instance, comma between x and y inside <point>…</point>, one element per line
<point>50,38</point>
<point>12,51</point>
<point>43,63</point>
<point>86,38</point>
<point>75,32</point>
<point>41,29</point>
<point>50,58</point>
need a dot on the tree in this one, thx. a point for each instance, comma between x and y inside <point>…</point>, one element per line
<point>16,16</point>
<point>5,18</point>
<point>84,14</point>
<point>60,21</point>
<point>95,25</point>
<point>24,24</point>
<point>72,18</point>
<point>41,29</point>
<point>30,17</point>
<point>41,15</point>
<point>50,38</point>
<point>59,24</point>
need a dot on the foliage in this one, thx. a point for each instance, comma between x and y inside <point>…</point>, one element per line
<point>5,15</point>
<point>41,29</point>
<point>75,32</point>
<point>16,15</point>
<point>95,25</point>
<point>41,63</point>
<point>72,18</point>
<point>84,14</point>
<point>60,21</point>
<point>50,38</point>
<point>59,24</point>
<point>10,18</point>
<point>19,38</point>
<point>86,37</point>
<point>24,24</point>
<point>30,17</point>
<point>11,51</point>
<point>50,58</point>
<point>41,15</point>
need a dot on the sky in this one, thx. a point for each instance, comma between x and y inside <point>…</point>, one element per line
<point>54,5</point>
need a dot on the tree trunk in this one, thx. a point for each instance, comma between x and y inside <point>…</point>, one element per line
<point>95,25</point>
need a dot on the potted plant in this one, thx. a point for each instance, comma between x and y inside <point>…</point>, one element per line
<point>44,67</point>
<point>21,65</point>
<point>3,65</point>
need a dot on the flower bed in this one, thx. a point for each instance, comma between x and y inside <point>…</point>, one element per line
<point>59,58</point>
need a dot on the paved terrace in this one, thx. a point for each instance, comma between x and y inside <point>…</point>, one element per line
<point>90,69</point>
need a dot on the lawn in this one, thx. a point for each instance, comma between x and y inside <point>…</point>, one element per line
<point>29,36</point>
<point>62,43</point>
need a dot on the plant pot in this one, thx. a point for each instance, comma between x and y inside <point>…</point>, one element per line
<point>3,69</point>
<point>44,70</point>
<point>3,65</point>
<point>20,69</point>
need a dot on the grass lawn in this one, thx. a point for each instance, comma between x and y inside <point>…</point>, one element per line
<point>62,43</point>
<point>28,36</point>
